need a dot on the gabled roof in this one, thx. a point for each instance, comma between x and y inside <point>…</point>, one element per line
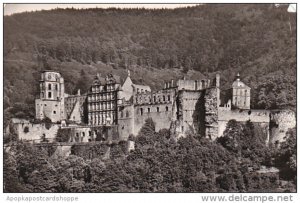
<point>239,84</point>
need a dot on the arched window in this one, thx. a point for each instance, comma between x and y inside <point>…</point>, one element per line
<point>141,111</point>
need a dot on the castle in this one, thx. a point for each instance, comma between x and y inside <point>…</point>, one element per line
<point>112,110</point>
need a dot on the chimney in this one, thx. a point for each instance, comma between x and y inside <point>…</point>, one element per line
<point>218,80</point>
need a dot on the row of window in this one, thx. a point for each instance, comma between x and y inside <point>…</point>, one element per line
<point>50,87</point>
<point>101,106</point>
<point>149,110</point>
<point>239,91</point>
<point>109,96</point>
<point>49,95</point>
<point>236,102</point>
<point>155,99</point>
<point>103,88</point>
<point>101,119</point>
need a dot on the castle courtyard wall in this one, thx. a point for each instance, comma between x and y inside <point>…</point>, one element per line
<point>36,132</point>
<point>255,116</point>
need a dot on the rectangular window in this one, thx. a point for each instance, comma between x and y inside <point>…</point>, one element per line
<point>157,108</point>
<point>56,88</point>
<point>141,111</point>
<point>148,110</point>
<point>49,95</point>
<point>169,97</point>
<point>49,86</point>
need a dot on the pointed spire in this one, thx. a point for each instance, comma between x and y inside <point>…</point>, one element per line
<point>128,73</point>
<point>238,77</point>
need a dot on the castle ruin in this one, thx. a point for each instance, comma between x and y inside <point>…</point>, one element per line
<point>112,110</point>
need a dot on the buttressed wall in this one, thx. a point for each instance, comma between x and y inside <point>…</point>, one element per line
<point>281,121</point>
<point>190,109</point>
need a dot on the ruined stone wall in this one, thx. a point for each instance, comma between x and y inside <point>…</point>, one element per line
<point>164,96</point>
<point>161,114</point>
<point>51,109</point>
<point>93,133</point>
<point>36,131</point>
<point>125,121</point>
<point>281,121</point>
<point>193,84</point>
<point>255,116</point>
<point>211,103</point>
<point>190,112</point>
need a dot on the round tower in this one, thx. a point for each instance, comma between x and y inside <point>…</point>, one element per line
<point>51,86</point>
<point>51,102</point>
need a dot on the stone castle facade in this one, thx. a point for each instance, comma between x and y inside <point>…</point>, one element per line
<point>183,107</point>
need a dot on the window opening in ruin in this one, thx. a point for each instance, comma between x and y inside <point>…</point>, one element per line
<point>148,110</point>
<point>49,95</point>
<point>203,83</point>
<point>169,97</point>
<point>167,108</point>
<point>49,86</point>
<point>26,129</point>
<point>157,108</point>
<point>141,111</point>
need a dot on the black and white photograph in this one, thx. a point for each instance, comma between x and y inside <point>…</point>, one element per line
<point>150,98</point>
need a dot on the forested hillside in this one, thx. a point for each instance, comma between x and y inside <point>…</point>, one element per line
<point>257,40</point>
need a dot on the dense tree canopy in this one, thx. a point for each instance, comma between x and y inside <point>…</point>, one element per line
<point>158,164</point>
